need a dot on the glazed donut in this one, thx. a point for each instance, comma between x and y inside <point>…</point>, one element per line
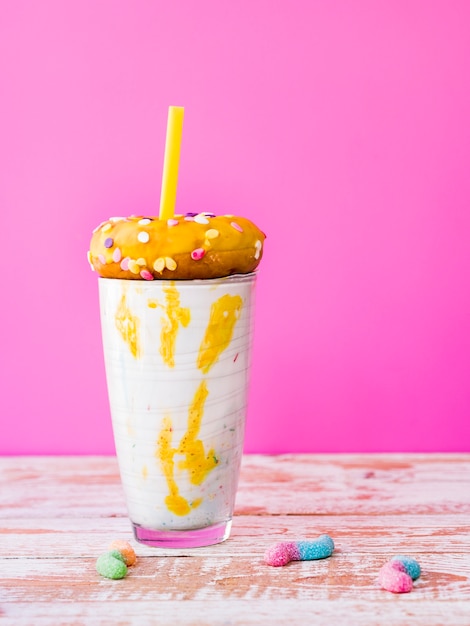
<point>190,246</point>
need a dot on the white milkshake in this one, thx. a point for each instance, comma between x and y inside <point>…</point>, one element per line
<point>177,356</point>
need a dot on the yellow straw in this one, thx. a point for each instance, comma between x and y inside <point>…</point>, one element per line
<point>174,132</point>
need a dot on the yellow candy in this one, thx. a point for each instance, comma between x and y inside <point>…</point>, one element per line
<point>134,267</point>
<point>170,263</point>
<point>159,265</point>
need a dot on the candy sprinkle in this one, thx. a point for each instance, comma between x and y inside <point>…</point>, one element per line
<point>117,255</point>
<point>172,222</point>
<point>125,263</point>
<point>109,566</point>
<point>236,226</point>
<point>102,259</point>
<point>117,555</point>
<point>146,275</point>
<point>159,265</point>
<point>411,566</point>
<point>201,219</point>
<point>283,552</point>
<point>394,577</point>
<point>133,266</point>
<point>108,242</point>
<point>143,237</point>
<point>144,221</point>
<point>170,263</point>
<point>197,254</point>
<point>125,549</point>
<point>212,233</point>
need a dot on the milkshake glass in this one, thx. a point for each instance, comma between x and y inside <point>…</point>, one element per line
<point>177,356</point>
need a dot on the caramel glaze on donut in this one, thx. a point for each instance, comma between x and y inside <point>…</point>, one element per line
<point>191,246</point>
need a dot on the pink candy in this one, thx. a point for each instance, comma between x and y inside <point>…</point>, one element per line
<point>197,254</point>
<point>280,554</point>
<point>146,275</point>
<point>236,226</point>
<point>394,577</point>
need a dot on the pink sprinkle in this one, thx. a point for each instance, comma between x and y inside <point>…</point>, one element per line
<point>280,554</point>
<point>117,255</point>
<point>236,226</point>
<point>172,222</point>
<point>101,259</point>
<point>197,254</point>
<point>394,577</point>
<point>146,275</point>
<point>125,263</point>
<point>189,218</point>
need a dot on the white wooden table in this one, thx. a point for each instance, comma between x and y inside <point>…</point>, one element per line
<point>57,514</point>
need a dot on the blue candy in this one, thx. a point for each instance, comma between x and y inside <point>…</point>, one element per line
<point>319,549</point>
<point>412,566</point>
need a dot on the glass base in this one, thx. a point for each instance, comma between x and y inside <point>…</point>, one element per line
<point>196,538</point>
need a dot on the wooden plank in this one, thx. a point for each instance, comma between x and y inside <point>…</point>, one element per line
<point>385,609</point>
<point>355,484</point>
<point>345,575</point>
<point>210,589</point>
<point>251,535</point>
<point>300,485</point>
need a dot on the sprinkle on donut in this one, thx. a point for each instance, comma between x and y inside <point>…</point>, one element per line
<point>197,254</point>
<point>143,236</point>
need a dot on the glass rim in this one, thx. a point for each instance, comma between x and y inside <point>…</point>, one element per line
<point>231,278</point>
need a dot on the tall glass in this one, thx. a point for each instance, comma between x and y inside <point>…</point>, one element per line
<point>177,357</point>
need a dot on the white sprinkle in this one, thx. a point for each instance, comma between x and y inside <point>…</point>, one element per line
<point>134,267</point>
<point>143,236</point>
<point>159,265</point>
<point>170,264</point>
<point>144,221</point>
<point>201,219</point>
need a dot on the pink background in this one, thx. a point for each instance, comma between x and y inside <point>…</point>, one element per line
<point>342,128</point>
